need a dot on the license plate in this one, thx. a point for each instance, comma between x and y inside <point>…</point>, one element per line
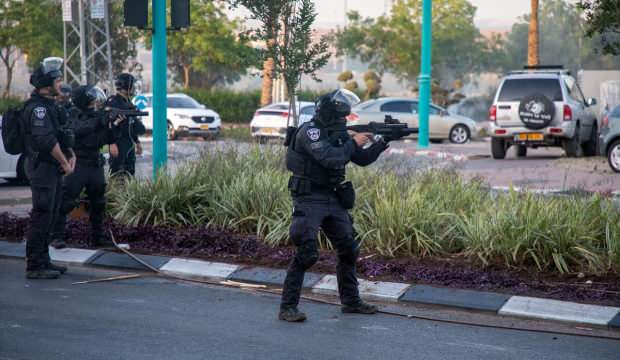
<point>204,127</point>
<point>271,131</point>
<point>530,137</point>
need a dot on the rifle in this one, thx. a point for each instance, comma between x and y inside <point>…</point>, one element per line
<point>391,129</point>
<point>112,114</point>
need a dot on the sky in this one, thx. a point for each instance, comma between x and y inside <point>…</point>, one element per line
<point>491,13</point>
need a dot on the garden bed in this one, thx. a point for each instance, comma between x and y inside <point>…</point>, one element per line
<point>455,271</point>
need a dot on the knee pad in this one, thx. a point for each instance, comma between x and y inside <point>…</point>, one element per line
<point>307,255</point>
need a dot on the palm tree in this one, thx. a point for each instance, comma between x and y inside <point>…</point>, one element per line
<point>533,36</point>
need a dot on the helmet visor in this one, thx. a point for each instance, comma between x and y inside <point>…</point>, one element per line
<point>51,66</point>
<point>97,95</point>
<point>344,96</point>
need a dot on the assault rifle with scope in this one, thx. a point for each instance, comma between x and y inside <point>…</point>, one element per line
<point>391,129</point>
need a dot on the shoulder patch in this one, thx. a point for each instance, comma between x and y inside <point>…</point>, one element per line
<point>40,112</point>
<point>313,133</point>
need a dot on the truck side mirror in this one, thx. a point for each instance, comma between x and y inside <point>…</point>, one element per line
<point>591,102</point>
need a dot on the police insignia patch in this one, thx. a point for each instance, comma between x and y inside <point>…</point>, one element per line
<point>40,112</point>
<point>314,134</point>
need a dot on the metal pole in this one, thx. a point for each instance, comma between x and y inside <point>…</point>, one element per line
<point>424,80</point>
<point>160,124</point>
<point>64,50</point>
<point>83,45</point>
<point>108,45</point>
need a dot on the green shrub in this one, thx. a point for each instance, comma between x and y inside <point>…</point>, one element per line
<point>9,102</point>
<point>432,213</point>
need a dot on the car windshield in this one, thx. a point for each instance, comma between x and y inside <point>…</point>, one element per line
<point>616,112</point>
<point>517,89</point>
<point>183,103</point>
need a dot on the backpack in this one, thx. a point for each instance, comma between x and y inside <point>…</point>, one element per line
<point>13,130</point>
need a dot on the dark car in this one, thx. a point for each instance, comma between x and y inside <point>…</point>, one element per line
<point>609,140</point>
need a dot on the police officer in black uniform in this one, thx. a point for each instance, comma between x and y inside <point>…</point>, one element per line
<point>318,152</point>
<point>128,143</point>
<point>48,145</point>
<point>93,129</point>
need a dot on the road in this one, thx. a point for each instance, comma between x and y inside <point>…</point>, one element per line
<point>153,318</point>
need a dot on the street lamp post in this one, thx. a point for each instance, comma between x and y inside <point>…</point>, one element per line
<point>424,80</point>
<point>160,123</point>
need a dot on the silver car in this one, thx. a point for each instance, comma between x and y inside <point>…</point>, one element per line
<point>541,107</point>
<point>443,125</point>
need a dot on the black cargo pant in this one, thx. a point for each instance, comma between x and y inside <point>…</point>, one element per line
<point>46,187</point>
<point>125,163</point>
<point>311,212</point>
<point>88,175</point>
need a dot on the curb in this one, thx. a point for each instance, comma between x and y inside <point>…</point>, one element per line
<point>501,304</point>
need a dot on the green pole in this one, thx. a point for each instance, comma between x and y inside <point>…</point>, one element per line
<point>160,123</point>
<point>424,80</point>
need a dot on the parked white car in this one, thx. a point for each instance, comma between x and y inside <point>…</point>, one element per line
<point>12,167</point>
<point>186,116</point>
<point>270,122</point>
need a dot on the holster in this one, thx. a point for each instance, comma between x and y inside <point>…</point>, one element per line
<point>346,195</point>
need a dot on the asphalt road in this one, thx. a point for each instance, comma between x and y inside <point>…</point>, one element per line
<point>159,319</point>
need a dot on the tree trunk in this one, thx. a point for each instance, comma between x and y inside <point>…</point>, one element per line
<point>266,98</point>
<point>8,65</point>
<point>186,69</point>
<point>533,37</point>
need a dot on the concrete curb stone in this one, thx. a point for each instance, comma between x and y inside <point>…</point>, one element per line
<point>374,290</point>
<point>559,310</point>
<point>263,275</point>
<point>468,299</point>
<point>112,259</point>
<point>199,268</point>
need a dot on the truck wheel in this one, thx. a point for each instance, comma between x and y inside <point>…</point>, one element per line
<point>521,151</point>
<point>498,148</point>
<point>613,156</point>
<point>571,146</point>
<point>590,148</point>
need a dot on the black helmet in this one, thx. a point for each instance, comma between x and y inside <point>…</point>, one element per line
<point>84,95</point>
<point>125,81</point>
<point>335,105</point>
<point>47,72</point>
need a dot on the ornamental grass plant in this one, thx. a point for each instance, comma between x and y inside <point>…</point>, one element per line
<point>398,214</point>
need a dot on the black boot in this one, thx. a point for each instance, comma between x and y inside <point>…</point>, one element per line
<point>42,274</point>
<point>359,308</point>
<point>291,315</point>
<point>60,268</point>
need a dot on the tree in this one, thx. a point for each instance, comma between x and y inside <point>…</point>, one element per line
<point>373,85</point>
<point>346,77</point>
<point>603,19</point>
<point>392,43</point>
<point>533,36</point>
<point>562,41</point>
<point>268,13</point>
<point>11,11</point>
<point>297,54</point>
<point>209,52</point>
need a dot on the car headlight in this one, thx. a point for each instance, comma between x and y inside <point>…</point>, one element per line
<point>184,117</point>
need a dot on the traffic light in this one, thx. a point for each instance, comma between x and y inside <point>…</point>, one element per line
<point>136,13</point>
<point>179,14</point>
